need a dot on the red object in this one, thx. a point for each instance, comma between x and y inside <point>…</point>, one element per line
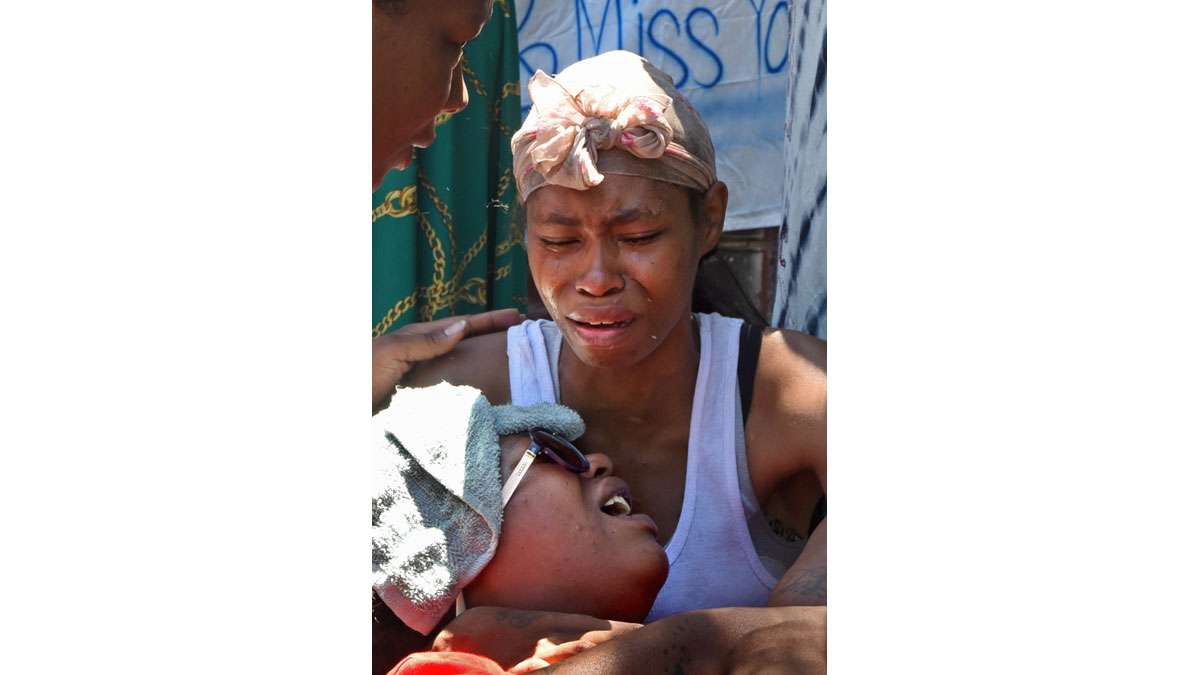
<point>446,663</point>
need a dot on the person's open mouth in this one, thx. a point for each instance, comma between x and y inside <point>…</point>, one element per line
<point>601,327</point>
<point>617,502</point>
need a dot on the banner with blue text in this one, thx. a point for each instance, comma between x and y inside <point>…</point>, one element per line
<point>729,57</point>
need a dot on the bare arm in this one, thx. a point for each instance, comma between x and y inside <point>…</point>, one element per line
<point>708,641</point>
<point>785,433</point>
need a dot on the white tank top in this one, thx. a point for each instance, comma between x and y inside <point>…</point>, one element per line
<point>713,560</point>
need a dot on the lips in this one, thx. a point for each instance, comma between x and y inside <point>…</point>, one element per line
<point>615,501</point>
<point>601,316</point>
<point>601,326</point>
<point>620,503</point>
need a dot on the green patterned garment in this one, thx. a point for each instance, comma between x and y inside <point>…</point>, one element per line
<point>445,239</point>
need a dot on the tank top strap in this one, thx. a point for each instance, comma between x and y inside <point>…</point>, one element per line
<point>712,453</point>
<point>532,374</point>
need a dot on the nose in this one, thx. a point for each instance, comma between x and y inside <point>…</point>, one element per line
<point>600,463</point>
<point>458,91</point>
<point>603,274</point>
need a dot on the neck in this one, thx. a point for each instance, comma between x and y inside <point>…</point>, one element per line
<point>668,374</point>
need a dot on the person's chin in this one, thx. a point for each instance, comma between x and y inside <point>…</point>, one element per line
<point>404,158</point>
<point>652,556</point>
<point>650,580</point>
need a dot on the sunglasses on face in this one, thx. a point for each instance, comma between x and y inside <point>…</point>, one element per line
<point>542,443</point>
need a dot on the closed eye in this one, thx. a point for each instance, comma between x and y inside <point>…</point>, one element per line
<point>557,243</point>
<point>641,238</point>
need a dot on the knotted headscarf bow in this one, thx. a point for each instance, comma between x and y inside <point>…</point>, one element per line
<point>565,135</point>
<point>621,104</point>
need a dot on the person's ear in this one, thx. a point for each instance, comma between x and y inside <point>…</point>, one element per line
<point>712,215</point>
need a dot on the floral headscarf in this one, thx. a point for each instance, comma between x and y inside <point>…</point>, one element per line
<point>612,113</point>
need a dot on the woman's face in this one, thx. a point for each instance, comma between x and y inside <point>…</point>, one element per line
<point>416,73</point>
<point>615,264</point>
<point>561,549</point>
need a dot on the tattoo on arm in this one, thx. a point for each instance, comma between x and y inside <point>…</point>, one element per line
<point>804,587</point>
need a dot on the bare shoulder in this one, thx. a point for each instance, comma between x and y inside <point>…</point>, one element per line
<point>480,361</point>
<point>789,355</point>
<point>791,372</point>
<point>785,433</point>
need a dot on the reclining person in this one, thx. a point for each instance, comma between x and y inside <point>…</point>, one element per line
<point>495,506</point>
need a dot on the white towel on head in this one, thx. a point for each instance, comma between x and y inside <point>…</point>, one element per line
<point>436,509</point>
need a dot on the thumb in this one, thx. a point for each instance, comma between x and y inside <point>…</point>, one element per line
<point>442,341</point>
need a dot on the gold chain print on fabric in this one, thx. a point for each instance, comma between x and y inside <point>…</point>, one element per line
<point>497,201</point>
<point>509,89</point>
<point>444,211</point>
<point>443,292</point>
<point>393,315</point>
<point>397,203</point>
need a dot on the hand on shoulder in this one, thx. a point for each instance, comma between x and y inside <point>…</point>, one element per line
<point>395,354</point>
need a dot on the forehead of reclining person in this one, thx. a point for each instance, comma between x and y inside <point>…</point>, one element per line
<point>559,551</point>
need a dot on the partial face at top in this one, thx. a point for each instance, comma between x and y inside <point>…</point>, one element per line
<point>416,72</point>
<point>615,264</point>
<point>562,549</point>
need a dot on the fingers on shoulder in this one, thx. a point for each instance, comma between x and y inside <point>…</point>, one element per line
<point>495,320</point>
